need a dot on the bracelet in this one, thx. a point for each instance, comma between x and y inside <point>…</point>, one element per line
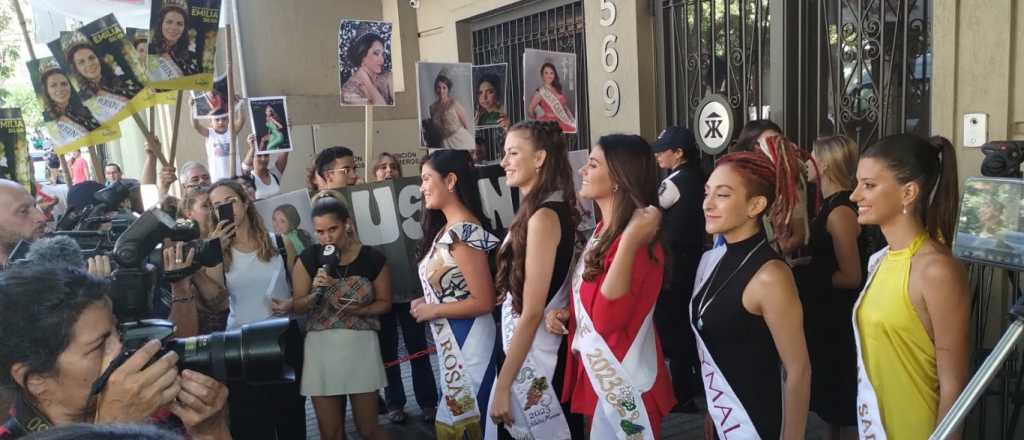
<point>186,299</point>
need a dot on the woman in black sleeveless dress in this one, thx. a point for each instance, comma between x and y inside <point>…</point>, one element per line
<point>536,162</point>
<point>829,285</point>
<point>745,311</point>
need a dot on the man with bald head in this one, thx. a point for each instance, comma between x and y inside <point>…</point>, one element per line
<point>20,219</point>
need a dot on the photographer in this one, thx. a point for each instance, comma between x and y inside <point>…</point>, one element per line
<point>58,335</point>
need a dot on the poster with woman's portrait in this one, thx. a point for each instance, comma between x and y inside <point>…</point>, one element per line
<point>104,68</point>
<point>210,104</point>
<point>139,39</point>
<point>182,44</point>
<point>15,162</point>
<point>445,92</point>
<point>490,81</point>
<point>364,63</point>
<point>269,116</point>
<point>288,216</point>
<point>69,123</point>
<point>550,87</point>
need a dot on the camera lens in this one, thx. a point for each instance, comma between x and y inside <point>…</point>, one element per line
<point>260,353</point>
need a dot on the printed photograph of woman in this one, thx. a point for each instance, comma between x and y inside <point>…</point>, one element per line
<point>173,54</point>
<point>445,92</point>
<point>490,84</point>
<point>364,63</point>
<point>66,120</point>
<point>270,121</point>
<point>551,92</point>
<point>105,85</point>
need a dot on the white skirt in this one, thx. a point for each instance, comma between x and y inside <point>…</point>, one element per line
<point>342,361</point>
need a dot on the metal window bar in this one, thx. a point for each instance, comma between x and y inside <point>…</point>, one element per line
<point>559,29</point>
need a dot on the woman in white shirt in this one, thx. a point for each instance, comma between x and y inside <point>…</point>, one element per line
<point>266,178</point>
<point>256,281</point>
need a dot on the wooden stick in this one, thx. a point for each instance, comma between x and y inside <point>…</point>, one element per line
<point>65,169</point>
<point>24,29</point>
<point>97,167</point>
<point>369,143</point>
<point>232,152</point>
<point>174,134</point>
<point>150,137</point>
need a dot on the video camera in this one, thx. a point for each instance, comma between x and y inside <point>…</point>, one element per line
<point>1003,159</point>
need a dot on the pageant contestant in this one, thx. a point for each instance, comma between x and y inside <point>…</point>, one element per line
<point>745,311</point>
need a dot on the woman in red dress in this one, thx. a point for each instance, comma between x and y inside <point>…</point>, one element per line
<point>615,287</point>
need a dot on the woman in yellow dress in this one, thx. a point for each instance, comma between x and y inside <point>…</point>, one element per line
<point>911,319</point>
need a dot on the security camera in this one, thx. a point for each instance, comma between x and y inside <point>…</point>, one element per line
<point>415,4</point>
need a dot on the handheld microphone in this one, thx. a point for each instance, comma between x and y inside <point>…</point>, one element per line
<point>328,260</point>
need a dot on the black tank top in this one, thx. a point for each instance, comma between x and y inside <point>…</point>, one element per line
<point>563,253</point>
<point>740,342</point>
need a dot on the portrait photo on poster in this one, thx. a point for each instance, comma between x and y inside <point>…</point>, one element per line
<point>269,117</point>
<point>209,104</point>
<point>183,43</point>
<point>550,87</point>
<point>364,63</point>
<point>490,86</point>
<point>445,92</point>
<point>288,216</point>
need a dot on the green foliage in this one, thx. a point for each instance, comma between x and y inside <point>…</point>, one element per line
<point>24,97</point>
<point>9,52</point>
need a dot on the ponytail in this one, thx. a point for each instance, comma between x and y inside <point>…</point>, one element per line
<point>932,164</point>
<point>942,210</point>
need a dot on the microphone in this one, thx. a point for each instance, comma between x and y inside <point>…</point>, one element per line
<point>59,251</point>
<point>328,260</point>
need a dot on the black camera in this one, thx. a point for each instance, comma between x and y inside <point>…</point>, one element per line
<point>1002,159</point>
<point>259,353</point>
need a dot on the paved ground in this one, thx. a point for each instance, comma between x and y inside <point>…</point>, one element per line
<point>675,426</point>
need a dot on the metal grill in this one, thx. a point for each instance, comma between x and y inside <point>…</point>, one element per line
<point>856,67</point>
<point>559,29</point>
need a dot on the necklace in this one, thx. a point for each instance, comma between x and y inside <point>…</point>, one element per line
<point>705,300</point>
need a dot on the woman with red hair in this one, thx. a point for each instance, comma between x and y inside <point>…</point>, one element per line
<point>745,311</point>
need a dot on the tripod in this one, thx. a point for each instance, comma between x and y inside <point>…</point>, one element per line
<point>974,389</point>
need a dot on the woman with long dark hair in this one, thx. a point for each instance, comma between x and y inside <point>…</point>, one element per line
<point>169,53</point>
<point>102,91</point>
<point>70,119</point>
<point>489,98</point>
<point>458,291</point>
<point>616,375</point>
<point>745,311</point>
<point>274,137</point>
<point>911,320</point>
<point>533,269</point>
<point>370,84</point>
<point>548,103</point>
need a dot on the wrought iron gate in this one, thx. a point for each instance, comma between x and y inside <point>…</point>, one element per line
<point>558,28</point>
<point>857,67</point>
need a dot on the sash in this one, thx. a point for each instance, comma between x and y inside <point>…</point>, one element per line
<point>730,417</point>
<point>620,412</point>
<point>556,106</point>
<point>457,390</point>
<point>869,416</point>
<point>537,412</point>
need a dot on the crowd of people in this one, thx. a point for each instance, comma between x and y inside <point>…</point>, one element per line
<point>758,286</point>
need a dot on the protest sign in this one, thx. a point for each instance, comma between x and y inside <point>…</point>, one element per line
<point>550,87</point>
<point>269,117</point>
<point>210,104</point>
<point>490,82</point>
<point>288,215</point>
<point>183,44</point>
<point>364,63</point>
<point>15,162</point>
<point>445,92</point>
<point>69,123</point>
<point>139,39</point>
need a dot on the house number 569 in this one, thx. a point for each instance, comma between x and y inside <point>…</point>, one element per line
<point>609,59</point>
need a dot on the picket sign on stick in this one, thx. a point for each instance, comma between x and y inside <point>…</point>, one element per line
<point>232,153</point>
<point>174,134</point>
<point>369,143</point>
<point>150,137</point>
<point>32,54</point>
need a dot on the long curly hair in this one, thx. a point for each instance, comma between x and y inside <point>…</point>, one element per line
<point>632,168</point>
<point>179,50</point>
<point>109,81</point>
<point>265,249</point>
<point>556,84</point>
<point>555,175</point>
<point>73,110</point>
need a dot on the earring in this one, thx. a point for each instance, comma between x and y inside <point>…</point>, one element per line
<point>904,209</point>
<point>615,188</point>
<point>451,190</point>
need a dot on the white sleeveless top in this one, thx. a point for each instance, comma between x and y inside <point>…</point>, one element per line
<point>251,284</point>
<point>218,149</point>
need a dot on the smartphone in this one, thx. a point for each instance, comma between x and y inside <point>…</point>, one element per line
<point>226,211</point>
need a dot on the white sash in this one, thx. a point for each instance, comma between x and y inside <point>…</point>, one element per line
<point>457,391</point>
<point>869,416</point>
<point>731,419</point>
<point>620,411</point>
<point>556,106</point>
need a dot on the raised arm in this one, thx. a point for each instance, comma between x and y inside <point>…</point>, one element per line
<point>772,294</point>
<point>281,162</point>
<point>638,233</point>
<point>198,125</point>
<point>239,122</point>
